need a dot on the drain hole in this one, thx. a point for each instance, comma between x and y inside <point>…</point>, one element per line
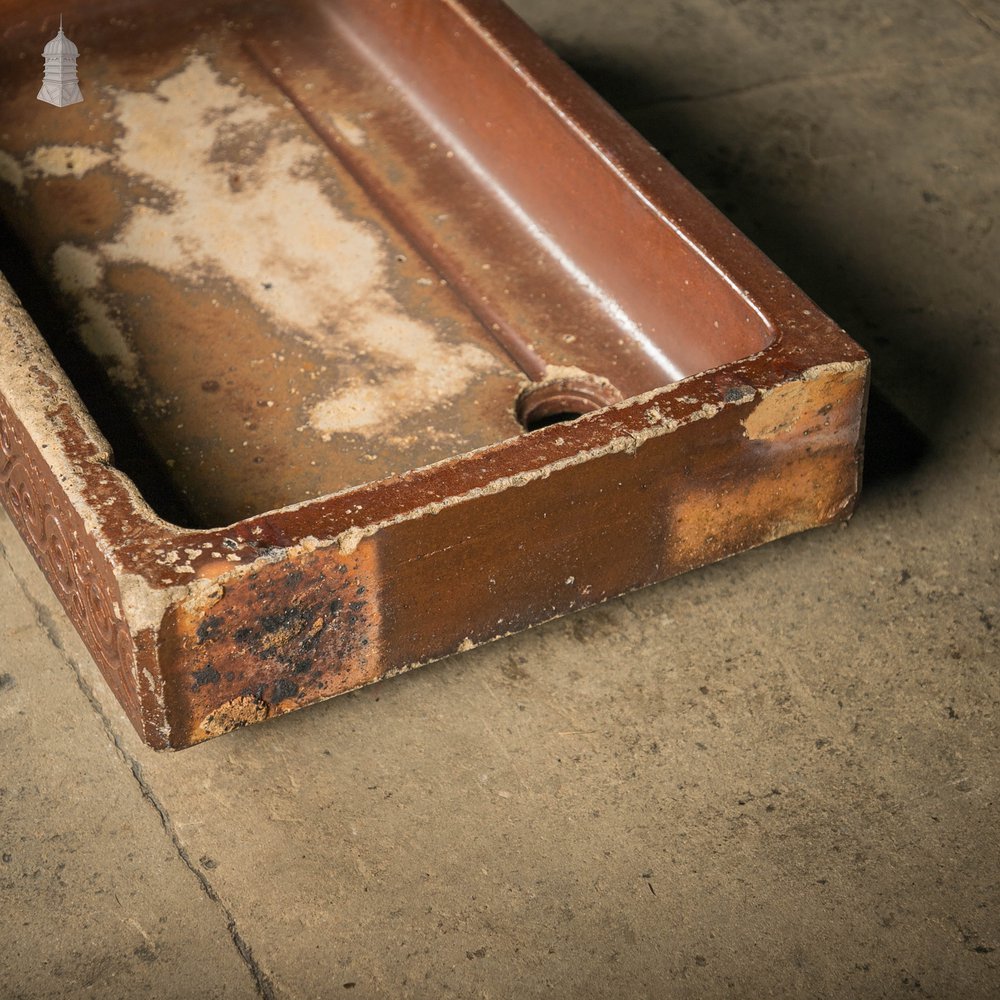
<point>536,422</point>
<point>563,400</point>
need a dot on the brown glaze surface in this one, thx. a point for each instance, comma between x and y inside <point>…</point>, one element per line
<point>311,266</point>
<point>276,327</point>
<point>79,575</point>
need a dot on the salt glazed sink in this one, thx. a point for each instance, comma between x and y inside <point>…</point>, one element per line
<point>340,336</point>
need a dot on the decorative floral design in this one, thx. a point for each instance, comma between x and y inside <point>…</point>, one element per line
<point>57,538</point>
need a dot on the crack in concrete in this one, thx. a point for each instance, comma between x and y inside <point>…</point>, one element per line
<point>47,624</point>
<point>757,85</point>
<point>979,17</point>
<point>805,79</point>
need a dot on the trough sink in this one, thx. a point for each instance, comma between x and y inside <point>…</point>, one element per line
<point>339,336</point>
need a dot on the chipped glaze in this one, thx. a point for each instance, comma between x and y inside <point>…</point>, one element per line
<point>346,320</point>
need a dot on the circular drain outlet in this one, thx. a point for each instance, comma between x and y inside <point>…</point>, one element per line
<point>562,399</point>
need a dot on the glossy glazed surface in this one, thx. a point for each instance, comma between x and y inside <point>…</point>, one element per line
<point>293,248</point>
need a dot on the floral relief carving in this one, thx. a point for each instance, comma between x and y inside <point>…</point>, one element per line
<point>55,535</point>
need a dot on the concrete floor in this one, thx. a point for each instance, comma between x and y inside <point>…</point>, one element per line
<point>774,777</point>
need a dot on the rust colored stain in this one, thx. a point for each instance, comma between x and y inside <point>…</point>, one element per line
<point>353,335</point>
<point>278,636</point>
<point>804,409</point>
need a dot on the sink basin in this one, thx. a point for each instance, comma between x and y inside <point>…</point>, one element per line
<point>340,336</point>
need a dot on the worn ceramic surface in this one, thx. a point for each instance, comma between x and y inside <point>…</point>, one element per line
<point>324,326</point>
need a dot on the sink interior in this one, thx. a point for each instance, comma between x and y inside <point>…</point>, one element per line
<point>283,249</point>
